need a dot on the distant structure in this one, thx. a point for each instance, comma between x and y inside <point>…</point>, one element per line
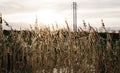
<point>74,16</point>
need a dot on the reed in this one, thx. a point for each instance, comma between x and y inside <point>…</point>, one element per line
<point>60,51</point>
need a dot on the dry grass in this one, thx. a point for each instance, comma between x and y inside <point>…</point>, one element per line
<point>62,51</point>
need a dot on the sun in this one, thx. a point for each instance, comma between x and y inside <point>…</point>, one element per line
<point>49,17</point>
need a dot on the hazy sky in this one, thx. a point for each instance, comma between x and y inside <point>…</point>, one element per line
<point>19,13</point>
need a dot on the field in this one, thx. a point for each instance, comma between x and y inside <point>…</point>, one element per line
<point>60,51</point>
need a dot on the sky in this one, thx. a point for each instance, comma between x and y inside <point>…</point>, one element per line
<point>22,13</point>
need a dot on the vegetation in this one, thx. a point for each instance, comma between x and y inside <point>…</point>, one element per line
<point>60,51</point>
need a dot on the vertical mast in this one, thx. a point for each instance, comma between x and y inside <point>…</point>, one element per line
<point>74,16</point>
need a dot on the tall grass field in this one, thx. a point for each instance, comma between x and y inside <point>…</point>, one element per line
<point>59,51</point>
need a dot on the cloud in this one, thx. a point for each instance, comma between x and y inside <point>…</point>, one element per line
<point>99,4</point>
<point>21,6</point>
<point>98,13</point>
<point>86,8</point>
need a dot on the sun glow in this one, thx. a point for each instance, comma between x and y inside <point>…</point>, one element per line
<point>49,17</point>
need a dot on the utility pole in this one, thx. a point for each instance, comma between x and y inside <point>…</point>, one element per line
<point>74,16</point>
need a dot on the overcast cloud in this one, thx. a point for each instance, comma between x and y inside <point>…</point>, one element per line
<point>87,9</point>
<point>18,6</point>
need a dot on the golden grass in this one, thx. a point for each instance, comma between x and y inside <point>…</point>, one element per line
<point>63,51</point>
